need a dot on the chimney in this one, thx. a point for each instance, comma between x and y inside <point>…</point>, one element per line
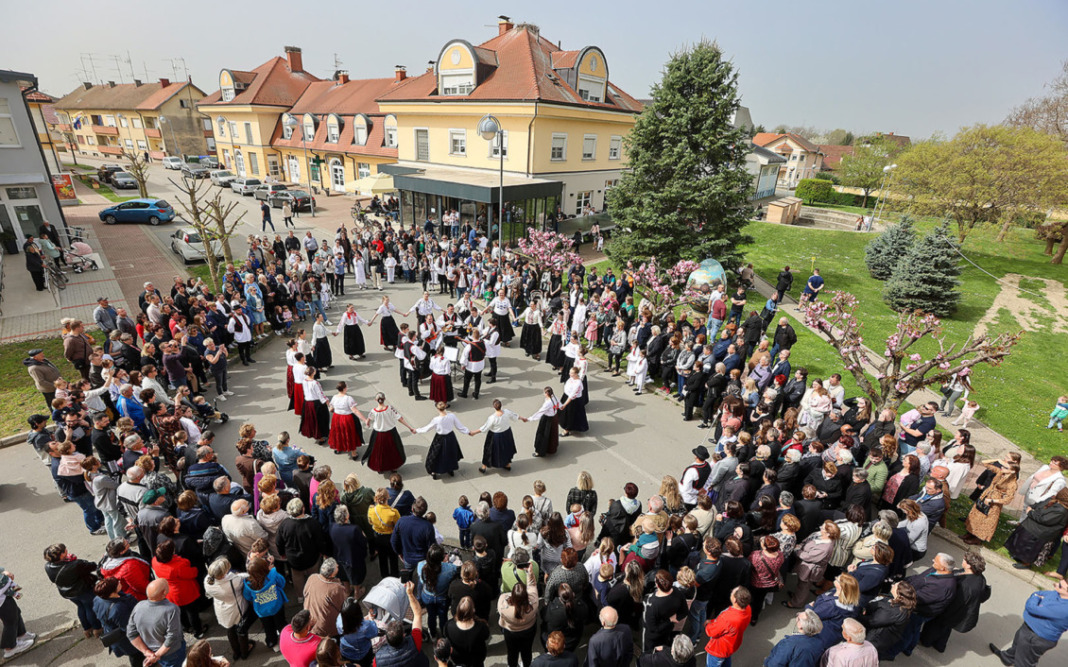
<point>296,61</point>
<point>891,134</point>
<point>430,66</point>
<point>111,84</point>
<point>137,83</point>
<point>342,77</point>
<point>399,73</point>
<point>504,24</point>
<point>164,82</point>
<point>86,85</point>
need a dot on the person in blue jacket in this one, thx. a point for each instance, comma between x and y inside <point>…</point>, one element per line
<point>113,608</point>
<point>265,589</point>
<point>1045,619</point>
<point>356,631</point>
<point>802,649</point>
<point>834,607</point>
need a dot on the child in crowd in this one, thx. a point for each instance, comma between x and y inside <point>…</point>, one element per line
<point>391,268</point>
<point>464,517</point>
<point>966,414</point>
<point>574,516</point>
<point>1059,414</point>
<point>287,319</point>
<point>727,437</point>
<point>432,519</point>
<point>302,309</point>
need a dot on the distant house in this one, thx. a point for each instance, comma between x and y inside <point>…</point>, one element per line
<point>764,166</point>
<point>832,156</point>
<point>803,158</point>
<point>901,140</point>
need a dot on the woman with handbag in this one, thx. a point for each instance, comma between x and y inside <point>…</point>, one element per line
<point>766,576</point>
<point>113,608</point>
<point>812,557</point>
<point>226,588</point>
<point>74,578</point>
<point>999,490</point>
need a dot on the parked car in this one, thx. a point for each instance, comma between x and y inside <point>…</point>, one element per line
<point>186,243</point>
<point>298,199</point>
<point>195,170</point>
<point>123,180</point>
<point>172,162</point>
<point>267,189</point>
<point>151,210</point>
<point>222,177</point>
<point>245,186</point>
<point>210,162</point>
<point>105,171</point>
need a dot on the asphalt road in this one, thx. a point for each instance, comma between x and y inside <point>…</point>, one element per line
<point>632,438</point>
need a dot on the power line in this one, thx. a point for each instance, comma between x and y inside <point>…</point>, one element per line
<point>996,279</point>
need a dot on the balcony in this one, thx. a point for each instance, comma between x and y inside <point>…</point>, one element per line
<point>63,127</point>
<point>152,133</point>
<point>104,129</point>
<point>110,150</point>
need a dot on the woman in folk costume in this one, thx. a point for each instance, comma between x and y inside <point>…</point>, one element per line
<point>346,434</point>
<point>570,353</point>
<point>578,319</point>
<point>573,410</point>
<point>350,326</point>
<point>444,454</point>
<point>315,417</point>
<point>557,338</point>
<point>547,437</point>
<point>291,358</point>
<point>441,378</point>
<point>387,330</point>
<point>583,366</point>
<point>502,308</point>
<point>530,338</point>
<point>499,449</point>
<point>299,375</point>
<point>322,358</point>
<point>304,346</point>
<point>385,451</point>
<point>359,268</point>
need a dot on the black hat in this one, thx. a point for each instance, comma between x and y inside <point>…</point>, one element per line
<point>35,420</point>
<point>701,452</point>
<point>34,352</point>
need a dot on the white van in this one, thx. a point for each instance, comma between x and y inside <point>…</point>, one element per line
<point>172,162</point>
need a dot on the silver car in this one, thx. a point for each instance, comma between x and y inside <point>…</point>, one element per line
<point>222,177</point>
<point>186,243</point>
<point>123,180</point>
<point>245,186</point>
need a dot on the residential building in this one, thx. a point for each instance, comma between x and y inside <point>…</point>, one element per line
<point>832,156</point>
<point>562,121</point>
<point>157,118</point>
<point>247,109</point>
<point>27,195</point>
<point>45,120</point>
<point>901,140</point>
<point>335,133</point>
<point>803,158</point>
<point>764,165</point>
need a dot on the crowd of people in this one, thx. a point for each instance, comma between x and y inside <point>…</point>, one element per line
<point>802,495</point>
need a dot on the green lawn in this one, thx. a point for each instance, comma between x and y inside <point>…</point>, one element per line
<point>848,209</point>
<point>17,393</point>
<point>1034,373</point>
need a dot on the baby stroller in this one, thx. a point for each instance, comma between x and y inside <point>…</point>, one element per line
<point>78,257</point>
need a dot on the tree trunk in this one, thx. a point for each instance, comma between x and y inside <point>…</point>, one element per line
<point>1050,242</point>
<point>1005,226</point>
<point>864,204</point>
<point>1059,257</point>
<point>143,188</point>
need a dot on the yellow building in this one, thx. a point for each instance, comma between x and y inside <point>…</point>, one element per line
<point>246,111</point>
<point>43,114</point>
<point>563,125</point>
<point>157,118</point>
<point>335,133</point>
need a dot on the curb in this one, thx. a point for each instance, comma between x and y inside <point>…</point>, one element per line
<point>44,638</point>
<point>1036,579</point>
<point>12,440</point>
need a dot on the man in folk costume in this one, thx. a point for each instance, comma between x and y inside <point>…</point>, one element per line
<point>695,477</point>
<point>449,322</point>
<point>413,357</point>
<point>493,348</point>
<point>398,352</point>
<point>473,359</point>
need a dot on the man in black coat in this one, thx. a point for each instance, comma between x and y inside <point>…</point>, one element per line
<point>784,337</point>
<point>859,492</point>
<point>300,539</point>
<point>809,511</point>
<point>791,475</point>
<point>494,533</point>
<point>715,384</point>
<point>962,614</point>
<point>783,284</point>
<point>613,644</point>
<point>935,589</point>
<point>828,487</point>
<point>105,442</point>
<point>692,388</point>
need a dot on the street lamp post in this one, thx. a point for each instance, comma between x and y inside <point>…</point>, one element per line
<point>163,119</point>
<point>884,188</point>
<point>293,124</point>
<point>490,128</point>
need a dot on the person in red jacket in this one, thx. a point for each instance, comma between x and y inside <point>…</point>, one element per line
<point>133,573</point>
<point>725,632</point>
<point>184,592</point>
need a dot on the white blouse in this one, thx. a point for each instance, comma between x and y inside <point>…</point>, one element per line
<point>318,331</point>
<point>571,350</point>
<point>350,319</point>
<point>444,425</point>
<point>384,418</point>
<point>532,316</point>
<point>313,391</point>
<point>298,373</point>
<point>499,423</point>
<point>303,346</point>
<point>386,309</point>
<point>440,366</point>
<point>558,328</point>
<point>343,404</point>
<point>501,306</point>
<point>548,409</point>
<point>291,357</point>
<point>573,388</point>
<point>582,365</point>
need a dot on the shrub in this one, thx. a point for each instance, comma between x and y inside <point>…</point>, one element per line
<point>812,190</point>
<point>926,277</point>
<point>886,250</point>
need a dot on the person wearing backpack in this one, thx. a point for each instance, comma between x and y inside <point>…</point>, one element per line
<point>74,579</point>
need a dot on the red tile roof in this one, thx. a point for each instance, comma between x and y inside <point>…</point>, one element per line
<point>36,96</point>
<point>123,96</point>
<point>160,97</point>
<point>524,71</point>
<point>764,138</point>
<point>348,99</point>
<point>49,113</point>
<point>270,84</point>
<point>832,156</point>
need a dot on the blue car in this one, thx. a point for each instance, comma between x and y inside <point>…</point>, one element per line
<point>152,211</point>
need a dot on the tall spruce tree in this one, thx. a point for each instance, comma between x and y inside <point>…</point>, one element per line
<point>686,194</point>
<point>883,253</point>
<point>925,278</point>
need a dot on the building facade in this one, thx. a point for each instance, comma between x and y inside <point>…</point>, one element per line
<point>27,195</point>
<point>562,121</point>
<point>763,165</point>
<point>335,133</point>
<point>803,158</point>
<point>247,109</point>
<point>158,118</point>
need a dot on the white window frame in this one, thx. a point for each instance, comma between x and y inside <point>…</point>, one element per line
<point>494,152</point>
<point>363,169</point>
<point>129,143</point>
<point>333,130</point>
<point>293,165</point>
<point>142,145</point>
<point>254,163</point>
<point>206,123</point>
<point>306,124</point>
<point>233,131</point>
<point>389,137</point>
<point>228,94</point>
<point>591,85</point>
<point>460,82</point>
<point>360,130</point>
<point>227,160</point>
<point>91,140</point>
<point>137,123</point>
<point>615,147</point>
<point>211,144</point>
<point>248,133</point>
<point>287,131</point>
<point>109,121</point>
<point>123,122</point>
<point>563,150</point>
<point>222,129</point>
<point>592,154</point>
<point>274,166</point>
<point>583,199</point>
<point>415,142</point>
<point>458,135</point>
<point>9,118</point>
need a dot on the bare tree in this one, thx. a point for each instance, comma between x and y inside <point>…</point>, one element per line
<point>212,219</point>
<point>1048,113</point>
<point>137,165</point>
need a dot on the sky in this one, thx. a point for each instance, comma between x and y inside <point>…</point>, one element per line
<point>914,67</point>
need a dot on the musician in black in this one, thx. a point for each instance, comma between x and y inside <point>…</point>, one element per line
<point>449,323</point>
<point>493,347</point>
<point>473,359</point>
<point>413,357</point>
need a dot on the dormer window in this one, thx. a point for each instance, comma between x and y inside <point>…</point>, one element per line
<point>591,89</point>
<point>287,131</point>
<point>457,84</point>
<point>333,128</point>
<point>361,127</point>
<point>390,138</point>
<point>309,127</point>
<point>592,71</point>
<point>226,85</point>
<point>456,69</point>
<point>228,94</point>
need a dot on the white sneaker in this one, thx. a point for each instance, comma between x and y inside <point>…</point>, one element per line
<point>228,393</point>
<point>20,647</point>
<point>28,637</point>
<point>220,397</point>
